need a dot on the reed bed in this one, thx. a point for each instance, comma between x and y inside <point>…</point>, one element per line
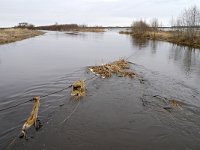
<point>16,34</point>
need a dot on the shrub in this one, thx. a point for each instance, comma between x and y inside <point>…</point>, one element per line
<point>139,28</point>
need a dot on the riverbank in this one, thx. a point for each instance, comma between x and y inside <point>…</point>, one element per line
<point>169,36</point>
<point>13,35</point>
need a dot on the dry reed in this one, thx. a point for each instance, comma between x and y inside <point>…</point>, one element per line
<point>119,68</point>
<point>78,89</point>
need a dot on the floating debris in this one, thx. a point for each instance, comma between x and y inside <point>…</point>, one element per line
<point>175,104</point>
<point>167,107</point>
<point>72,33</point>
<point>170,103</point>
<point>33,119</point>
<point>78,89</point>
<point>117,67</point>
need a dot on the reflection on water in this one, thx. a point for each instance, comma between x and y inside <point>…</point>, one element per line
<point>176,61</point>
<point>153,47</point>
<point>188,58</point>
<point>142,43</point>
<point>139,42</point>
<point>84,35</point>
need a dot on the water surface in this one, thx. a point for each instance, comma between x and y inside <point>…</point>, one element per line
<point>117,113</point>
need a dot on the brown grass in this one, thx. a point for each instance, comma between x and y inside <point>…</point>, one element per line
<point>173,37</point>
<point>12,35</point>
<point>120,68</point>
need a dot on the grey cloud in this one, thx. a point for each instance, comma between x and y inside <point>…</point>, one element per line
<point>91,12</point>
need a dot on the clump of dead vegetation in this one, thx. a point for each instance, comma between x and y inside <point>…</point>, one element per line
<point>32,119</point>
<point>170,103</point>
<point>175,104</point>
<point>119,68</point>
<point>78,89</point>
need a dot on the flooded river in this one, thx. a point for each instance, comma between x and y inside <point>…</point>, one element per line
<point>117,113</point>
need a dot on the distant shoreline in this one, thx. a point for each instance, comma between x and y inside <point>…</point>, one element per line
<point>167,36</point>
<point>87,30</point>
<point>16,34</point>
<point>71,27</point>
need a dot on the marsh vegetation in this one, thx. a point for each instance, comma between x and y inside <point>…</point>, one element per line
<point>17,34</point>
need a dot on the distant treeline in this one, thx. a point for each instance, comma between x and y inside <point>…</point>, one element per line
<point>185,27</point>
<point>25,25</point>
<point>64,27</point>
<point>61,27</point>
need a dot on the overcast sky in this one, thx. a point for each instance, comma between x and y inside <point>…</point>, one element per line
<point>90,12</point>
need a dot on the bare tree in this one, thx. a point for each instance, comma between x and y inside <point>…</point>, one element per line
<point>160,24</point>
<point>139,28</point>
<point>25,25</point>
<point>173,23</point>
<point>154,26</point>
<point>188,21</point>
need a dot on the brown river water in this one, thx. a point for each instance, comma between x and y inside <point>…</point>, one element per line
<point>117,113</point>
